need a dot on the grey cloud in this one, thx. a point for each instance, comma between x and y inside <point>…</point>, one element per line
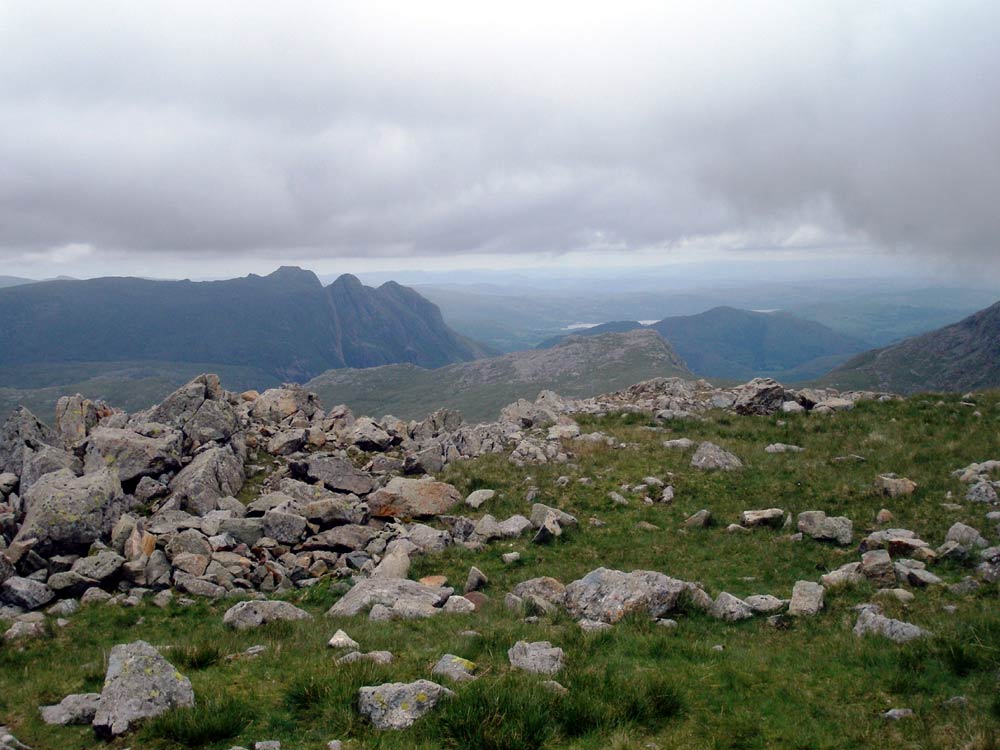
<point>386,130</point>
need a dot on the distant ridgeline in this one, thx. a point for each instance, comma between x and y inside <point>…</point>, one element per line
<point>256,331</point>
<point>725,342</point>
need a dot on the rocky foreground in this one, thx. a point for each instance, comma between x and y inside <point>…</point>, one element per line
<point>249,496</point>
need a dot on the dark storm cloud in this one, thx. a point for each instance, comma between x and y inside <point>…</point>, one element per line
<point>387,129</point>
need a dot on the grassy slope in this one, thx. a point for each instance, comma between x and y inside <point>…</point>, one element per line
<point>815,686</point>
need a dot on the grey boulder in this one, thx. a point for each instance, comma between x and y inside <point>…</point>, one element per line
<point>710,457</point>
<point>253,614</point>
<point>540,657</point>
<point>73,709</point>
<point>66,513</point>
<point>609,595</point>
<point>139,684</point>
<point>388,592</point>
<point>397,705</point>
<point>212,475</point>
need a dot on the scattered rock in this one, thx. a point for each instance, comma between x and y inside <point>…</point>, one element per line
<point>397,705</point>
<point>253,614</point>
<point>73,709</point>
<point>455,668</point>
<point>540,657</point>
<point>710,457</point>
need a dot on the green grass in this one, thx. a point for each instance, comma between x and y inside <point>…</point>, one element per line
<point>813,686</point>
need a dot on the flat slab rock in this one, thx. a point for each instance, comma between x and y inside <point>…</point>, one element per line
<point>387,592</point>
<point>413,498</point>
<point>73,709</point>
<point>871,620</point>
<point>139,684</point>
<point>606,595</point>
<point>253,614</point>
<point>397,705</point>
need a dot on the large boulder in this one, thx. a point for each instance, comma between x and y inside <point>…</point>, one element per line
<point>200,409</point>
<point>387,591</point>
<point>67,513</point>
<point>276,404</point>
<point>76,416</point>
<point>253,614</point>
<point>45,460</point>
<point>146,450</point>
<point>397,705</point>
<point>21,430</point>
<point>139,684</point>
<point>336,474</point>
<point>759,396</point>
<point>413,498</point>
<point>214,473</point>
<point>25,593</point>
<point>609,595</point>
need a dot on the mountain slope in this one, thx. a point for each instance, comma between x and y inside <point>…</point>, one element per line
<point>578,366</point>
<point>730,343</point>
<point>285,324</point>
<point>615,326</point>
<point>963,356</point>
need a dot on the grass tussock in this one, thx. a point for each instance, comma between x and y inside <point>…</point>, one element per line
<point>211,720</point>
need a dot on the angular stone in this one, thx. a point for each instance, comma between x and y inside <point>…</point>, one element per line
<point>412,498</point>
<point>253,614</point>
<point>336,474</point>
<point>477,498</point>
<point>807,599</point>
<point>772,517</point>
<point>455,668</point>
<point>820,526</point>
<point>66,513</point>
<point>730,608</point>
<point>710,457</point>
<point>539,657</point>
<point>397,705</point>
<point>286,528</point>
<point>213,474</point>
<point>609,595</point>
<point>870,620</point>
<point>149,450</point>
<point>73,709</point>
<point>139,684</point>
<point>387,592</point>
<point>350,537</point>
<point>966,536</point>
<point>45,460</point>
<point>25,593</point>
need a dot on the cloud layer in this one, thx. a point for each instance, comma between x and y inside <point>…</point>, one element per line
<point>381,129</point>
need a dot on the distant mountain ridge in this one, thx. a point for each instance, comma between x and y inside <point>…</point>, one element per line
<point>286,324</point>
<point>579,366</point>
<point>726,342</point>
<point>963,356</point>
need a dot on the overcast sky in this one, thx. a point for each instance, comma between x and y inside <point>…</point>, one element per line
<point>216,138</point>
